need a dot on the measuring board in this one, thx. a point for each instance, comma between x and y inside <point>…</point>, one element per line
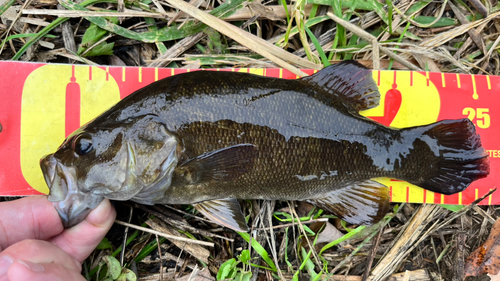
<point>43,103</point>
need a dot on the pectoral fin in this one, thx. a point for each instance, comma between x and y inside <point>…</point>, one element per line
<point>365,202</point>
<point>226,212</point>
<point>221,165</point>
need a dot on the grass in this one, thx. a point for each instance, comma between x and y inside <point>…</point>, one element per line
<point>302,35</point>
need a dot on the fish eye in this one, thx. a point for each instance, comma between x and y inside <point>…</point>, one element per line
<point>82,144</point>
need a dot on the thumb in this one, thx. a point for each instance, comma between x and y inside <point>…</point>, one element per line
<point>80,240</point>
<point>26,270</point>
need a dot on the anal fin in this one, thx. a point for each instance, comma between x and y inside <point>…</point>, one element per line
<point>226,212</point>
<point>364,202</point>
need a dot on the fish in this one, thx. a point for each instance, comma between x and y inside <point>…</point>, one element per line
<point>210,138</point>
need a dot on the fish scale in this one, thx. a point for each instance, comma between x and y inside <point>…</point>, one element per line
<point>279,172</point>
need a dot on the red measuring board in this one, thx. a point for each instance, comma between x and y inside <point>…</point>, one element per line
<point>42,103</point>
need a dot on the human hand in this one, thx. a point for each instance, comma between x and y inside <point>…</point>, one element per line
<point>35,246</point>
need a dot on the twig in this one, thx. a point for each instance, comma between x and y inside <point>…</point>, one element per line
<point>486,58</point>
<point>474,35</point>
<point>125,234</point>
<point>375,55</point>
<point>177,50</point>
<point>373,252</point>
<point>480,7</point>
<point>177,261</point>
<point>159,256</point>
<point>366,240</point>
<point>449,35</point>
<point>272,241</point>
<point>159,7</point>
<point>408,236</point>
<point>468,42</point>
<point>209,244</point>
<point>301,228</point>
<point>195,250</point>
<point>79,14</point>
<point>443,6</point>
<point>484,214</point>
<point>461,254</point>
<point>67,33</point>
<point>181,224</point>
<point>293,224</point>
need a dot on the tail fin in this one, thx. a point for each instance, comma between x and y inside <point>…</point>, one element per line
<point>457,158</point>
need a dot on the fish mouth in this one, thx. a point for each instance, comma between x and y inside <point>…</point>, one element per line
<point>72,204</point>
<point>48,165</point>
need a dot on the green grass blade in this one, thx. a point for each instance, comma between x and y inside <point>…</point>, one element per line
<point>348,4</point>
<point>314,10</point>
<point>118,250</point>
<point>417,7</point>
<point>290,266</point>
<point>151,246</point>
<point>23,35</point>
<point>391,61</point>
<point>6,5</point>
<point>352,42</point>
<point>308,23</point>
<point>308,264</point>
<point>259,249</point>
<point>453,208</point>
<point>341,33</point>
<point>390,10</point>
<point>38,36</point>
<point>283,2</point>
<point>442,22</point>
<point>214,42</point>
<point>321,53</point>
<point>152,27</point>
<point>361,5</point>
<point>289,25</point>
<point>341,239</point>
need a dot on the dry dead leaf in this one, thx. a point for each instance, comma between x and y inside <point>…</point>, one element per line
<point>263,11</point>
<point>486,258</point>
<point>329,234</point>
<point>202,275</point>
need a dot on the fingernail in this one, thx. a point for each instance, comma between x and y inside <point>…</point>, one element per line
<point>5,262</point>
<point>36,267</point>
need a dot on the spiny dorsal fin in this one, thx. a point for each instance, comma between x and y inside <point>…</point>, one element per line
<point>365,202</point>
<point>224,164</point>
<point>350,81</point>
<point>226,212</point>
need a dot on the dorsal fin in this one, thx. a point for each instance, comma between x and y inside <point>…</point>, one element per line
<point>350,81</point>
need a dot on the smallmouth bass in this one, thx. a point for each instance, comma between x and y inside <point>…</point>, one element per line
<point>209,138</point>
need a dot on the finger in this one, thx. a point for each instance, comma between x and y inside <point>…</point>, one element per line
<point>37,251</point>
<point>26,270</point>
<point>28,218</point>
<point>80,240</point>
